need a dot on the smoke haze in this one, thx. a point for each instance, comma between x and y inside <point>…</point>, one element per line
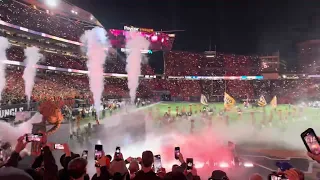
<point>134,59</point>
<point>11,134</point>
<point>96,41</point>
<point>32,58</point>
<point>4,44</point>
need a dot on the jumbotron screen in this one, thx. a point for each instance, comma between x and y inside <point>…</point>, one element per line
<point>158,40</point>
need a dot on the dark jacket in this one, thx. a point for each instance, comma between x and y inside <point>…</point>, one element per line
<point>104,174</point>
<point>13,160</point>
<point>12,173</point>
<point>50,167</point>
<point>141,175</point>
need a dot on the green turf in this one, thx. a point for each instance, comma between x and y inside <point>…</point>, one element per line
<point>160,109</point>
<point>288,112</point>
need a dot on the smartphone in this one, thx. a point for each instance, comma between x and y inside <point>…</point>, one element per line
<point>98,151</point>
<point>275,176</point>
<point>189,164</point>
<point>176,152</point>
<point>84,154</point>
<point>157,163</point>
<point>118,151</point>
<point>33,137</point>
<point>311,141</point>
<point>1,155</point>
<point>58,146</point>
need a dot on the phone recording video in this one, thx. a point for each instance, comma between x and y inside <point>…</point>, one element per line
<point>157,163</point>
<point>275,176</point>
<point>98,151</point>
<point>311,141</point>
<point>189,164</point>
<point>1,156</point>
<point>58,146</point>
<point>176,152</point>
<point>33,137</point>
<point>118,151</point>
<point>84,154</point>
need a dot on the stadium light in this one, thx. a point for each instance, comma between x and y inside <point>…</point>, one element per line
<point>154,38</point>
<point>52,3</point>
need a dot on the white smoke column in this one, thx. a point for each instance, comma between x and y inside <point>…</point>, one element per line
<point>133,67</point>
<point>96,41</point>
<point>32,58</point>
<point>4,44</point>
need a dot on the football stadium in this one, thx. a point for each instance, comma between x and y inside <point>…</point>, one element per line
<point>124,104</point>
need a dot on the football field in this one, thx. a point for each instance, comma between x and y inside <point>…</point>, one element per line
<point>282,112</point>
<point>286,122</point>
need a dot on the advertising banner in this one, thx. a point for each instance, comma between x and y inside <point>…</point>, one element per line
<point>8,111</point>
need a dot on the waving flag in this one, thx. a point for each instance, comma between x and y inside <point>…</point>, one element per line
<point>229,102</point>
<point>262,102</point>
<point>274,102</point>
<point>204,100</point>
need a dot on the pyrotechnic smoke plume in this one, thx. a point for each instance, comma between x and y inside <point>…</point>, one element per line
<point>32,58</point>
<point>96,41</point>
<point>10,133</point>
<point>133,67</point>
<point>4,44</point>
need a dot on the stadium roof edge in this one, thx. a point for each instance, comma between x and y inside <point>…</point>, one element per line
<point>65,9</point>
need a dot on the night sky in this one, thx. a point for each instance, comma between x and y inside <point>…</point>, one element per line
<point>235,26</point>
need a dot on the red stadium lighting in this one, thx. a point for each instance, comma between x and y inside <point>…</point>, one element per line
<point>154,38</point>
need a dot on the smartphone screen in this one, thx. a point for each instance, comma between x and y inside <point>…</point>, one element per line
<point>98,151</point>
<point>189,164</point>
<point>176,152</point>
<point>84,154</point>
<point>311,141</point>
<point>58,146</point>
<point>157,163</point>
<point>33,137</point>
<point>1,156</point>
<point>277,177</point>
<point>118,150</point>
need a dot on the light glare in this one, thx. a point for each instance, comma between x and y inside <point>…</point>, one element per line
<point>52,3</point>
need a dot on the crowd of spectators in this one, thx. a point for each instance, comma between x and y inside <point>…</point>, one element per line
<point>55,84</point>
<point>39,20</point>
<point>115,65</point>
<point>180,63</point>
<point>75,166</point>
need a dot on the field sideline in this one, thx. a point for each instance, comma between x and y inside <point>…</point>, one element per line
<point>289,112</point>
<point>264,158</point>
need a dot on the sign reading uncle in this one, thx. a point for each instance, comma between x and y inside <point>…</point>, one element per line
<point>11,110</point>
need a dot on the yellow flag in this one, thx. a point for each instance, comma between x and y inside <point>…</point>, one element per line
<point>204,100</point>
<point>262,102</point>
<point>229,102</point>
<point>274,102</point>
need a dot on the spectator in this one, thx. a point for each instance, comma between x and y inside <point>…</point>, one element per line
<point>256,177</point>
<point>64,160</point>
<point>118,167</point>
<point>146,172</point>
<point>218,175</point>
<point>175,176</point>
<point>11,173</point>
<point>77,169</point>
